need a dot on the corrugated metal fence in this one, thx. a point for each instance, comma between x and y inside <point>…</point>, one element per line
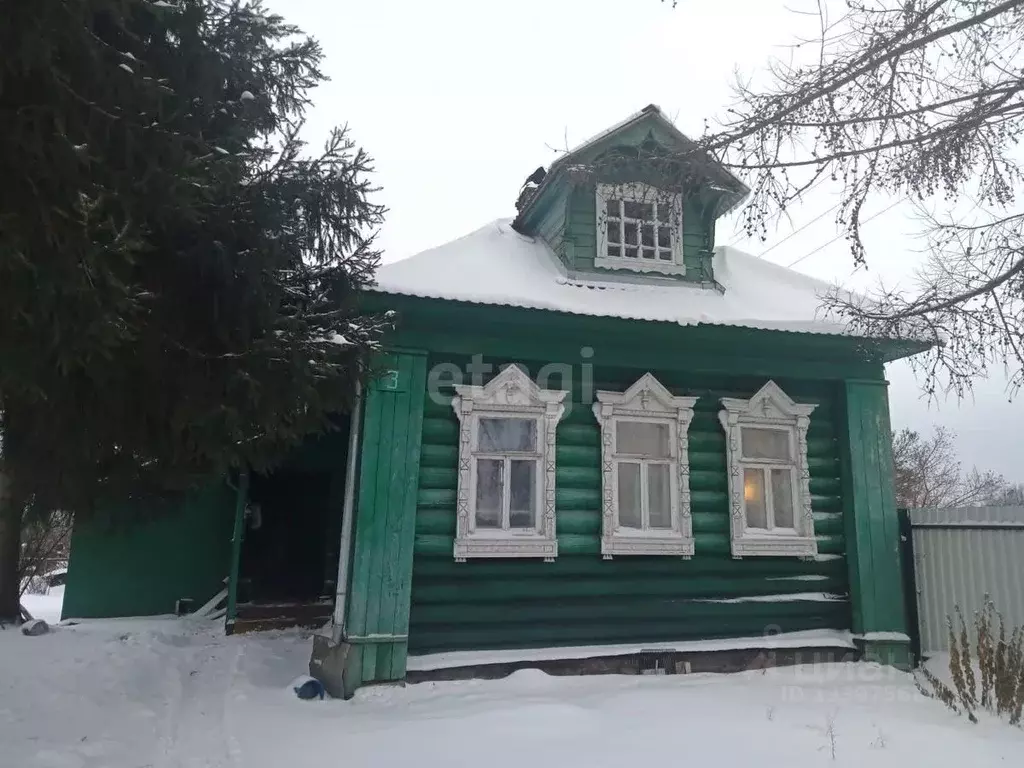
<point>959,556</point>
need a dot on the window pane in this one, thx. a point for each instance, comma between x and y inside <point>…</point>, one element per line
<point>782,497</point>
<point>765,444</point>
<point>635,210</point>
<point>488,492</point>
<point>631,253</point>
<point>665,255</point>
<point>664,211</point>
<point>753,495</point>
<point>615,251</point>
<point>629,495</point>
<point>612,209</point>
<point>614,232</point>
<point>659,495</point>
<point>647,253</point>
<point>647,235</point>
<point>631,232</point>
<point>499,435</point>
<point>664,237</point>
<point>523,501</point>
<point>642,438</point>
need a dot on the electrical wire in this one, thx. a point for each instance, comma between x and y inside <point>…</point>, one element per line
<point>843,234</point>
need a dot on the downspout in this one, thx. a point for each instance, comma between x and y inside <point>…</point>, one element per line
<point>241,499</point>
<point>347,518</point>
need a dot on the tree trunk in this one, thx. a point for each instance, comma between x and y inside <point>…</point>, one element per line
<point>10,550</point>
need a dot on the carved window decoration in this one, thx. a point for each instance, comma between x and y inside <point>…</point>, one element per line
<point>769,483</point>
<point>645,471</point>
<point>640,228</point>
<point>506,495</point>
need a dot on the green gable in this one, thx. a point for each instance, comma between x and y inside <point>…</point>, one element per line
<point>564,208</point>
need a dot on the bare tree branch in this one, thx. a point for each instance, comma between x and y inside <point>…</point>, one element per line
<point>921,100</point>
<point>929,474</point>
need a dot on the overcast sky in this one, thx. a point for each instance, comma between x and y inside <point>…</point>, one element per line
<point>459,100</point>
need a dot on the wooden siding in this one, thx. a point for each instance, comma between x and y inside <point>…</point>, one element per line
<point>551,228</point>
<point>581,235</point>
<point>378,608</point>
<point>872,525</point>
<point>582,599</point>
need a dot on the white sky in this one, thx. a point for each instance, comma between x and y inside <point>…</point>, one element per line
<point>459,100</point>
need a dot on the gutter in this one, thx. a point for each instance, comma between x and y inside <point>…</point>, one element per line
<point>347,519</point>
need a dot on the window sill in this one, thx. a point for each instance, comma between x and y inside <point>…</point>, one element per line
<point>505,545</point>
<point>640,266</point>
<point>670,544</point>
<point>774,545</point>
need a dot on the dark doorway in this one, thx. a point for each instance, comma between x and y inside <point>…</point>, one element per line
<point>289,556</point>
<point>284,553</point>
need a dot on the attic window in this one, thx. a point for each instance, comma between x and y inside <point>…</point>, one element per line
<point>639,228</point>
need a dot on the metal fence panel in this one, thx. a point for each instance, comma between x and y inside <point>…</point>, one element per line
<point>960,555</point>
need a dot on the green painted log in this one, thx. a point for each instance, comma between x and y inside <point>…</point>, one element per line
<point>433,521</point>
<point>578,434</point>
<point>498,590</point>
<point>574,499</point>
<point>621,608</point>
<point>455,637</point>
<point>646,569</point>
<point>576,456</point>
<point>440,431</point>
<point>438,455</point>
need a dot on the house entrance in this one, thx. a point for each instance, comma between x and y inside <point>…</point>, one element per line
<point>291,525</point>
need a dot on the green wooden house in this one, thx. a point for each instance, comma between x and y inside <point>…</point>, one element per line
<point>594,435</point>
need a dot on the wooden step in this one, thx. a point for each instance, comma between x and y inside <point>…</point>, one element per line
<point>242,626</point>
<point>258,617</point>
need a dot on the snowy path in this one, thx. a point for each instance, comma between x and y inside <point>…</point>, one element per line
<point>172,694</point>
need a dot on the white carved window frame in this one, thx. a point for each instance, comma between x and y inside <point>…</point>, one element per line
<point>668,202</point>
<point>510,394</point>
<point>769,408</point>
<point>647,401</point>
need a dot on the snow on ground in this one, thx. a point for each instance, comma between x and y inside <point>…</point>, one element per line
<point>46,607</point>
<point>172,692</point>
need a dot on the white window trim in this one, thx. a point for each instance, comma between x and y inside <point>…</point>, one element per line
<point>770,408</point>
<point>510,394</point>
<point>644,193</point>
<point>646,400</point>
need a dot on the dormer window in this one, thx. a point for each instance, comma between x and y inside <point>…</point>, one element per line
<point>639,228</point>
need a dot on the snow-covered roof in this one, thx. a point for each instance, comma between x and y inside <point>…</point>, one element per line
<point>497,265</point>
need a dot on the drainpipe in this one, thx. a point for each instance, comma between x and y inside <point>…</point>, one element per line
<point>347,519</point>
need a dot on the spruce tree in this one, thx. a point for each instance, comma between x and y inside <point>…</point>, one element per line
<point>179,274</point>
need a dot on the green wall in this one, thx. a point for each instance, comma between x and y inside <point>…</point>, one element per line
<point>185,552</point>
<point>582,599</point>
<point>579,241</point>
